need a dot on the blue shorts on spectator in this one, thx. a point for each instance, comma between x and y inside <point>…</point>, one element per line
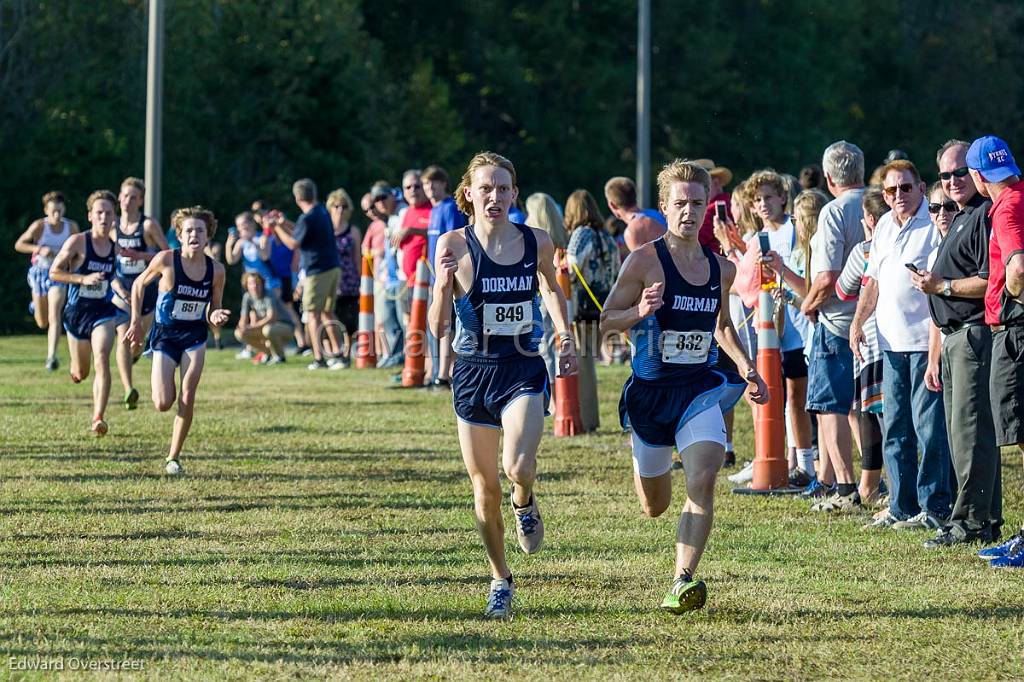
<point>830,374</point>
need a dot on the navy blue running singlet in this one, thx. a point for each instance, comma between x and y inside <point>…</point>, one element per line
<point>184,307</point>
<point>500,316</point>
<point>677,343</point>
<point>93,295</point>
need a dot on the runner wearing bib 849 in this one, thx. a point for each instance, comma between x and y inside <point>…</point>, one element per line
<point>676,396</point>
<point>191,285</point>
<point>494,270</point>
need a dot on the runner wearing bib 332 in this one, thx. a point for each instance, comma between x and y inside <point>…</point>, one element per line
<point>676,396</point>
<point>191,285</point>
<point>494,270</point>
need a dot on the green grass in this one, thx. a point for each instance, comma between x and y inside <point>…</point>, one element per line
<point>324,530</point>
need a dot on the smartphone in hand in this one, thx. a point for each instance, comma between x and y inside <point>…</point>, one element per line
<point>912,268</point>
<point>720,211</point>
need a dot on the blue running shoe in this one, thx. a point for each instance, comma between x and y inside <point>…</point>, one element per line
<point>1000,551</point>
<point>1014,559</point>
<point>815,489</point>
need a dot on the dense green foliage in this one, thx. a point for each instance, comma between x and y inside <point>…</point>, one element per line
<point>324,530</point>
<point>348,91</point>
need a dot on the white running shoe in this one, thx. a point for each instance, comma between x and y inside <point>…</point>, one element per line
<point>173,467</point>
<point>244,354</point>
<point>744,475</point>
<point>499,601</point>
<point>337,363</point>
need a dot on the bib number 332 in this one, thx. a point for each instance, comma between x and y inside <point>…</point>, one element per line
<point>508,319</point>
<point>685,348</point>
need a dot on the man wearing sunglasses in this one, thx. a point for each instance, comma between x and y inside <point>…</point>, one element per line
<point>956,287</point>
<point>914,416</point>
<point>998,177</point>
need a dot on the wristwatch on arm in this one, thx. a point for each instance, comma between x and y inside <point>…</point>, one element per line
<point>947,288</point>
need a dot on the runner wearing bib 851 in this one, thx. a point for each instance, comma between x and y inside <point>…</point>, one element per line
<point>676,396</point>
<point>191,285</point>
<point>494,270</point>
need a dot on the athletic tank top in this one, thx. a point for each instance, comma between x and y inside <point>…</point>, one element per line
<point>54,240</point>
<point>500,316</point>
<point>130,268</point>
<point>184,306</point>
<point>677,342</point>
<point>93,293</point>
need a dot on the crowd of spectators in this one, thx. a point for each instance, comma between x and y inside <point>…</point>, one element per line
<point>898,310</point>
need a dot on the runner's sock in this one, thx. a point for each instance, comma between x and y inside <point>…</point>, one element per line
<point>805,459</point>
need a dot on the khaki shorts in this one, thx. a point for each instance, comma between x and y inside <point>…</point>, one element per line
<point>319,291</point>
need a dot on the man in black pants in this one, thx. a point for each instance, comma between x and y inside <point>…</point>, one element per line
<point>956,286</point>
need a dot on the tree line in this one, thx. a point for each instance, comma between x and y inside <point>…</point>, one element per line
<point>350,91</point>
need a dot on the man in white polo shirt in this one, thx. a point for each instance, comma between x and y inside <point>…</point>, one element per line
<point>914,416</point>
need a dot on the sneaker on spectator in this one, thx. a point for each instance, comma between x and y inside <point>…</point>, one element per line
<point>1003,549</point>
<point>276,360</point>
<point>305,351</point>
<point>1014,559</point>
<point>244,354</point>
<point>839,503</point>
<point>924,520</point>
<point>337,363</point>
<point>798,478</point>
<point>317,364</point>
<point>744,475</point>
<point>881,521</point>
<point>730,460</point>
<point>953,535</point>
<point>816,489</point>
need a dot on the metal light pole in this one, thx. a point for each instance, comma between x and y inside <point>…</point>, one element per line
<point>643,103</point>
<point>154,106</point>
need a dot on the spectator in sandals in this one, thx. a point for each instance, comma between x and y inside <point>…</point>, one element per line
<point>867,370</point>
<point>593,252</point>
<point>830,392</point>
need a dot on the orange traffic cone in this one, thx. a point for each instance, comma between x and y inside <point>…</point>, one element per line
<point>568,421</point>
<point>771,467</point>
<point>366,346</point>
<point>415,335</point>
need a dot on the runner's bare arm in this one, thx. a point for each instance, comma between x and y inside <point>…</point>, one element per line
<point>69,258</point>
<point>636,293</point>
<point>216,315</point>
<point>554,300</point>
<point>452,257</point>
<point>28,241</point>
<point>154,236</point>
<point>158,266</point>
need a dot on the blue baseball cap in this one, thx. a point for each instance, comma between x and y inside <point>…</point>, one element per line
<point>992,157</point>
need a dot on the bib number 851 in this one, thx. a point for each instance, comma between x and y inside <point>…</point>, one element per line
<point>189,311</point>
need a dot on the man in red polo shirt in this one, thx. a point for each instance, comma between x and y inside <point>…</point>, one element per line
<point>997,176</point>
<point>411,240</point>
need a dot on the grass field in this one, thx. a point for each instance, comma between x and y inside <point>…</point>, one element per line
<point>324,530</point>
